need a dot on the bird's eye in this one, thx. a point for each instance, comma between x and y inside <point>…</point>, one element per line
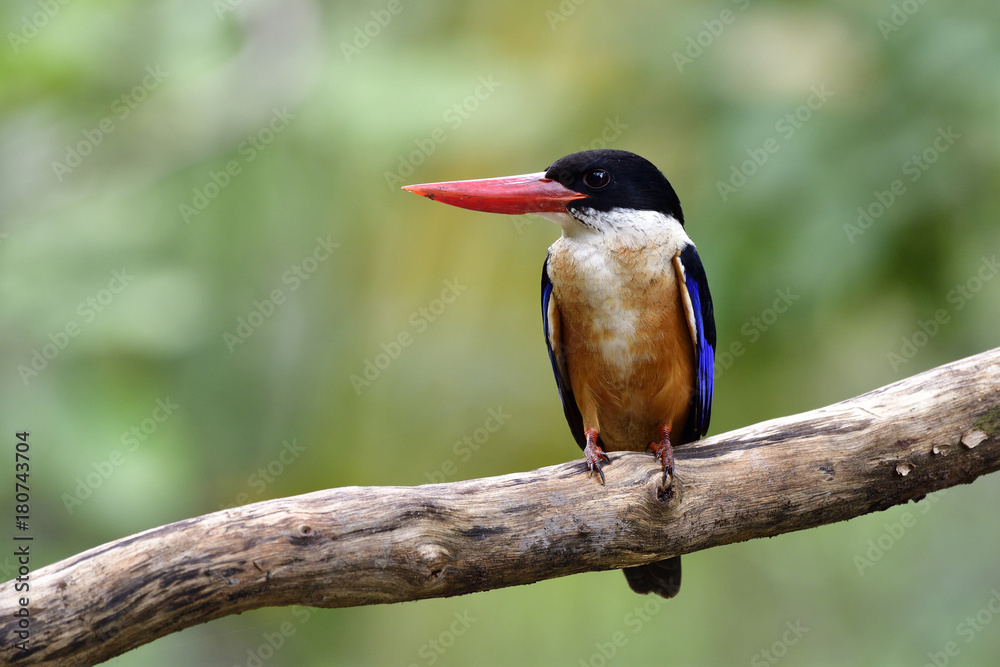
<point>597,178</point>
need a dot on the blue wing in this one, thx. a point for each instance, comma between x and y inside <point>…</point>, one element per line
<point>701,319</point>
<point>552,326</point>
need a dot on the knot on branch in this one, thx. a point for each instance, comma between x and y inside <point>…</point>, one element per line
<point>433,562</point>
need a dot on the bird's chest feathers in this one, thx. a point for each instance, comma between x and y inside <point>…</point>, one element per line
<point>618,296</point>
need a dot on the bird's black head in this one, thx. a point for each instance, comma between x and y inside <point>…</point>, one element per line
<point>615,179</point>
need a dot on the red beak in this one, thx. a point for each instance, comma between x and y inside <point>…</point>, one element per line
<point>513,195</point>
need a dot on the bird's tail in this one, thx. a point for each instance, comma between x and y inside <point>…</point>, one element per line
<point>662,577</point>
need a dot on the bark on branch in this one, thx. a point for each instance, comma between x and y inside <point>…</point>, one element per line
<point>373,545</point>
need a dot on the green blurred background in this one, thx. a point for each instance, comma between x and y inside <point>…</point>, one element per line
<point>207,151</point>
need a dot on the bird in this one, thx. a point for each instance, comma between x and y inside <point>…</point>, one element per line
<point>626,310</point>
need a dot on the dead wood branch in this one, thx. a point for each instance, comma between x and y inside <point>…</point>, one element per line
<point>373,545</point>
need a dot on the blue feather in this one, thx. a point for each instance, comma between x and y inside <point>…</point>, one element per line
<point>696,283</point>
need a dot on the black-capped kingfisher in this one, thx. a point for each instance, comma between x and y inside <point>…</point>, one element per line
<point>626,310</point>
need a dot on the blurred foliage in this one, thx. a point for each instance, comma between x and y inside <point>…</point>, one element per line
<point>283,126</point>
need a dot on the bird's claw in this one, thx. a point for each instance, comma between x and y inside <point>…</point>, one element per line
<point>594,455</point>
<point>663,452</point>
<point>668,463</point>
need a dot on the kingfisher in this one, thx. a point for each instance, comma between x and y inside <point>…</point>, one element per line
<point>626,310</point>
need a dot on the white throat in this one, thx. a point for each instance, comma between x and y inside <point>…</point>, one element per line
<point>620,226</point>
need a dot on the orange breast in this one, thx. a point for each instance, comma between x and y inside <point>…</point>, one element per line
<point>628,348</point>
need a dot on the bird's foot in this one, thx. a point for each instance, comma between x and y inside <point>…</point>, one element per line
<point>594,454</point>
<point>664,452</point>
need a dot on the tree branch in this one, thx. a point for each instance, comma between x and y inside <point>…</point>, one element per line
<point>373,545</point>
